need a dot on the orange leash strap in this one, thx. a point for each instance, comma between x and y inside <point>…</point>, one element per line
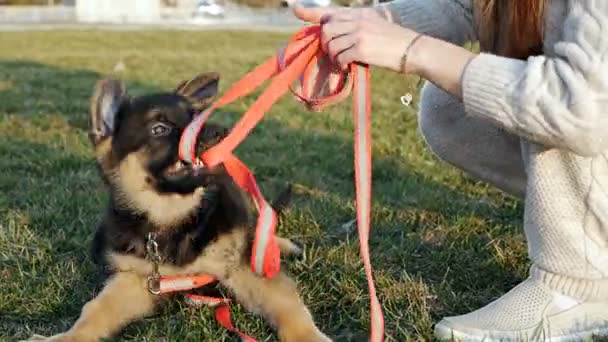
<point>221,306</point>
<point>319,84</point>
<point>183,283</point>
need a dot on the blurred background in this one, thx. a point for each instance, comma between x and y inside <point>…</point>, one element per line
<point>159,12</point>
<point>441,242</point>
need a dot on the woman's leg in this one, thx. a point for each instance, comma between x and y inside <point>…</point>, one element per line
<point>565,298</point>
<point>480,149</point>
<point>565,223</point>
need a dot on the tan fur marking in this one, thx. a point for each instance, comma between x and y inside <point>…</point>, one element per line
<point>287,246</point>
<point>133,191</point>
<point>218,259</point>
<point>278,301</point>
<point>102,150</point>
<point>124,299</point>
<point>163,210</point>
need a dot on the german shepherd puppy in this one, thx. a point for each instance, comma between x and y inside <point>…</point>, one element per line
<point>203,222</point>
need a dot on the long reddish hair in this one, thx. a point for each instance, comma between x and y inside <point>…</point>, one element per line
<point>511,28</point>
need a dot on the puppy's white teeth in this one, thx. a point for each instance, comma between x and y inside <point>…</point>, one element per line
<point>175,167</point>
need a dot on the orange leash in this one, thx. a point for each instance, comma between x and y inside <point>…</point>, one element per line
<point>221,306</point>
<point>303,62</point>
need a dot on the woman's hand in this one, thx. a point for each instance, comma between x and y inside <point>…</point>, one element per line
<point>365,35</point>
<point>361,35</point>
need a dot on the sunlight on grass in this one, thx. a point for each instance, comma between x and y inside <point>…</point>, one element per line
<point>441,243</point>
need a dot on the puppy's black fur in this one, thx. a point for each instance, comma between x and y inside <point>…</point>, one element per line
<point>154,124</point>
<point>202,221</point>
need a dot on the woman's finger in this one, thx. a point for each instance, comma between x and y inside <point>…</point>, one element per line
<point>339,45</point>
<point>347,57</point>
<point>313,15</point>
<point>354,53</point>
<point>344,14</point>
<point>335,29</point>
<point>324,15</point>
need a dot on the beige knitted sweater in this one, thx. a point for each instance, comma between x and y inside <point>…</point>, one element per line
<point>558,105</point>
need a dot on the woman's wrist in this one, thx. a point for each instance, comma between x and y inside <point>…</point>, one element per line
<point>402,51</point>
<point>439,62</point>
<point>408,63</point>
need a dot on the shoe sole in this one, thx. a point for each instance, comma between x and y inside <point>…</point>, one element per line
<point>445,333</point>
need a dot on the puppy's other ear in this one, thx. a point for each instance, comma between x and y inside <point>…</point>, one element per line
<point>105,103</point>
<point>201,90</point>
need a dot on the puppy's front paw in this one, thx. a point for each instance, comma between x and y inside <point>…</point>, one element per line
<point>321,337</point>
<point>55,338</point>
<point>34,338</point>
<point>289,247</point>
<point>303,335</point>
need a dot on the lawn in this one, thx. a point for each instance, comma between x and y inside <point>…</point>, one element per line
<point>441,243</point>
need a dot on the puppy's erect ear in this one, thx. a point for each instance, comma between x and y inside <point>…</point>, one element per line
<point>105,103</point>
<point>202,89</point>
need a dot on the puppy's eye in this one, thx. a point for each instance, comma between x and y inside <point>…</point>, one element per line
<point>160,130</point>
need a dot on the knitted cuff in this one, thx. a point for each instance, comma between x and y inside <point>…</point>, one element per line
<point>587,290</point>
<point>486,82</point>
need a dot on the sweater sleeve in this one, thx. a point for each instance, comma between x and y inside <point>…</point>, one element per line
<point>559,100</point>
<point>449,20</point>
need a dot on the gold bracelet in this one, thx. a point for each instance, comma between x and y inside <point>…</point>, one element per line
<point>407,52</point>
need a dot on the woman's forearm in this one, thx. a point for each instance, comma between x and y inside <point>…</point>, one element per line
<point>439,62</point>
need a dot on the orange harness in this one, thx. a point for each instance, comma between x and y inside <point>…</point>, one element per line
<point>302,62</point>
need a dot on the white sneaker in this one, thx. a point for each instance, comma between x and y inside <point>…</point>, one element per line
<point>529,312</point>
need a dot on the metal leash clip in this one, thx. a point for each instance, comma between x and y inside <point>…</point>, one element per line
<point>153,255</point>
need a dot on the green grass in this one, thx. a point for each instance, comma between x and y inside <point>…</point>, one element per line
<point>441,243</point>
